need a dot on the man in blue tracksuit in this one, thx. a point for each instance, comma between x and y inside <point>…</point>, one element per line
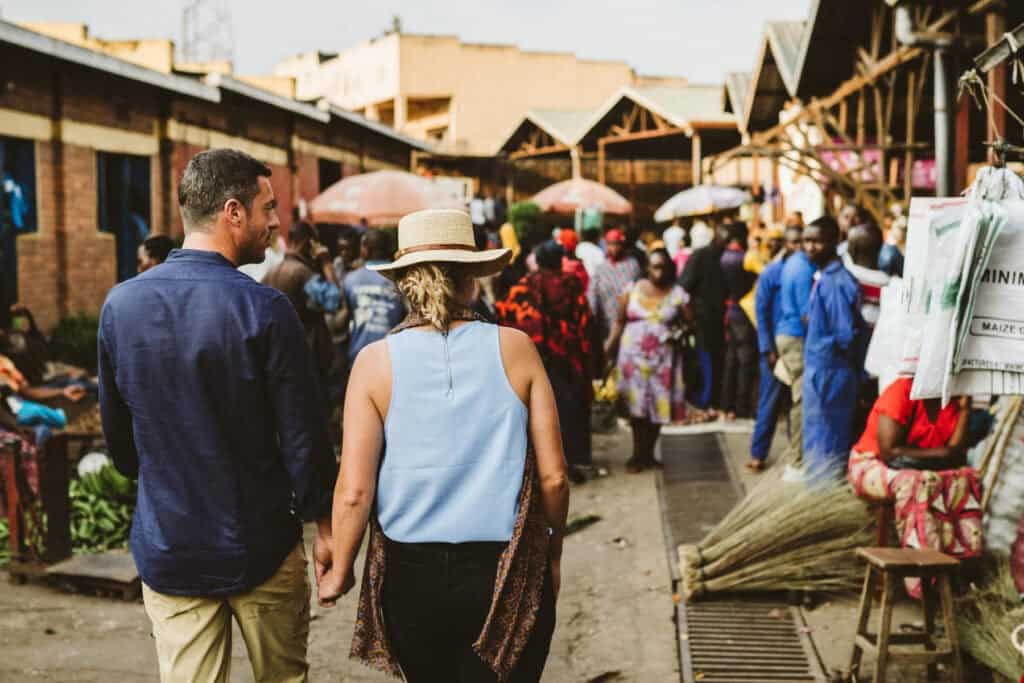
<point>833,353</point>
<point>772,394</point>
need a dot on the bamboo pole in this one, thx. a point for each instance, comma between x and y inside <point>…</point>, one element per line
<point>908,156</point>
<point>1012,416</point>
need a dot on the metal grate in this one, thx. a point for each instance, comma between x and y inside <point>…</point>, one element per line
<point>723,640</point>
<point>745,642</point>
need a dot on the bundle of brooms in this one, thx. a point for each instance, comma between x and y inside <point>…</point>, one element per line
<point>782,536</point>
<point>987,616</point>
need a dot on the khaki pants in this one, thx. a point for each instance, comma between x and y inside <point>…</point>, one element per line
<point>791,356</point>
<point>193,635</point>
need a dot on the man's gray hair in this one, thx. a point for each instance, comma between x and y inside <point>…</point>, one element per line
<point>211,179</point>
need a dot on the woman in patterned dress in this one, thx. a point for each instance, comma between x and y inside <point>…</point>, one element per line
<point>913,454</point>
<point>651,316</point>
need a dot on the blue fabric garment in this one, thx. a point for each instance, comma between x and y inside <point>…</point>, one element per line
<point>833,365</point>
<point>772,395</point>
<point>17,206</point>
<point>34,414</point>
<point>835,328</point>
<point>325,294</point>
<point>797,281</point>
<point>829,399</point>
<point>701,396</point>
<point>376,306</point>
<point>890,260</point>
<point>208,396</point>
<point>768,305</point>
<point>456,439</point>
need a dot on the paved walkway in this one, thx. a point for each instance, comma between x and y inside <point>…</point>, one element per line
<point>614,620</point>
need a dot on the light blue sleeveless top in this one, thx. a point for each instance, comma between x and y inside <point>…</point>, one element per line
<point>455,439</point>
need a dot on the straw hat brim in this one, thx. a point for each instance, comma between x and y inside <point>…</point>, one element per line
<point>478,263</point>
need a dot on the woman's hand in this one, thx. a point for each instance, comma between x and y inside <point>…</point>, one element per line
<point>334,584</point>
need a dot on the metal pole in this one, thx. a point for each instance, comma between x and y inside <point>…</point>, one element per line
<point>943,104</point>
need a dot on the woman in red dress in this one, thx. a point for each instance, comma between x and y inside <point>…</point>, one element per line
<point>913,454</point>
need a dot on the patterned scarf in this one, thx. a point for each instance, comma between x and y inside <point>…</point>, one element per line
<point>518,585</point>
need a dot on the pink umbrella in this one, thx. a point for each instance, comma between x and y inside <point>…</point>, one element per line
<point>381,197</point>
<point>580,193</point>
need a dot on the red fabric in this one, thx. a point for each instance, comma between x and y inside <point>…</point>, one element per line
<point>895,402</point>
<point>615,235</point>
<point>568,238</point>
<point>574,267</point>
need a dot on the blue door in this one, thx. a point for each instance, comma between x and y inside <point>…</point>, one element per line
<point>123,203</point>
<point>17,209</point>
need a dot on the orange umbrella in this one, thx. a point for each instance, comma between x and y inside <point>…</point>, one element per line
<point>381,197</point>
<point>580,193</point>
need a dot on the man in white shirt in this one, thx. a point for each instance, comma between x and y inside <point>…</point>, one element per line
<point>588,250</point>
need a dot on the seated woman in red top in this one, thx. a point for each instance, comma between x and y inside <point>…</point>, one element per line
<point>913,454</point>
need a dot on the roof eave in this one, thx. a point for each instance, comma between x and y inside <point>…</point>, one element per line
<point>68,52</point>
<point>234,85</point>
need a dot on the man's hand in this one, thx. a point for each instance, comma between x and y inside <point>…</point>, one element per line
<point>334,584</point>
<point>772,357</point>
<point>74,393</point>
<point>322,553</point>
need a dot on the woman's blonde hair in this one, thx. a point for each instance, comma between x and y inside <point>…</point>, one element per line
<point>430,289</point>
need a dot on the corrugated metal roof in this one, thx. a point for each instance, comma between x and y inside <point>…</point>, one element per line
<point>737,89</point>
<point>786,40</point>
<point>685,107</point>
<point>375,126</point>
<point>252,92</point>
<point>37,42</point>
<point>564,125</point>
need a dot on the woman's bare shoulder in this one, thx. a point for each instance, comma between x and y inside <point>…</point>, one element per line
<point>516,345</point>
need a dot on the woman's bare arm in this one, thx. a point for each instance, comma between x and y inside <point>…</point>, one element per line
<point>366,401</point>
<point>892,438</point>
<point>611,347</point>
<point>530,380</point>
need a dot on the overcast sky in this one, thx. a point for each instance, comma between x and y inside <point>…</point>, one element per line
<point>698,39</point>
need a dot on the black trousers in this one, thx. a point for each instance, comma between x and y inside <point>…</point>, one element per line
<point>572,400</point>
<point>436,599</point>
<point>739,394</point>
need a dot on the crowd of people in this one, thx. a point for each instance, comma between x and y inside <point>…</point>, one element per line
<point>458,438</point>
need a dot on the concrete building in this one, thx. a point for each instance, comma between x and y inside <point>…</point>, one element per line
<point>462,97</point>
<point>92,146</point>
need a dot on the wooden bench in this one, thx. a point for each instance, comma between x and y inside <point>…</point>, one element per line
<point>893,565</point>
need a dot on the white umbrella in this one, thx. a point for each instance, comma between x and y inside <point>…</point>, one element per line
<point>700,201</point>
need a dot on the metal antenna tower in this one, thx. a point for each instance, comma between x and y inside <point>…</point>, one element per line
<point>207,33</point>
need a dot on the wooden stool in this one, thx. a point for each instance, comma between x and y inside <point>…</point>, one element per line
<point>894,564</point>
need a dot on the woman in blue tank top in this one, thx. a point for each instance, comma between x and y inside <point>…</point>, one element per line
<point>452,456</point>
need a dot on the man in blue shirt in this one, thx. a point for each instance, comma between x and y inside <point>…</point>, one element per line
<point>208,396</point>
<point>772,394</point>
<point>833,353</point>
<point>375,303</point>
<point>795,285</point>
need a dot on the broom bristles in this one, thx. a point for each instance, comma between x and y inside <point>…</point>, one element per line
<point>987,616</point>
<point>794,537</point>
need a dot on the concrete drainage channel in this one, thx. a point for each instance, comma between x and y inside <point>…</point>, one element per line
<point>723,639</point>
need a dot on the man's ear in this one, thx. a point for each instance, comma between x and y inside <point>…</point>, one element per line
<point>235,212</point>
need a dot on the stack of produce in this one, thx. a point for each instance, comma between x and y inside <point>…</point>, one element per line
<point>102,502</point>
<point>782,536</point>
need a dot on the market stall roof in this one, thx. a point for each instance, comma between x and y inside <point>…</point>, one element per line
<point>546,131</point>
<point>835,29</point>
<point>774,79</point>
<point>735,92</point>
<point>658,110</point>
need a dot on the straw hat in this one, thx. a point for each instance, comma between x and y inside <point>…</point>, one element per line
<point>442,236</point>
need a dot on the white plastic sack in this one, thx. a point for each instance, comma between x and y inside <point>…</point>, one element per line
<point>918,276</point>
<point>885,352</point>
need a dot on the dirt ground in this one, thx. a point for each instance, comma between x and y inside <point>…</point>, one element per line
<point>614,614</point>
